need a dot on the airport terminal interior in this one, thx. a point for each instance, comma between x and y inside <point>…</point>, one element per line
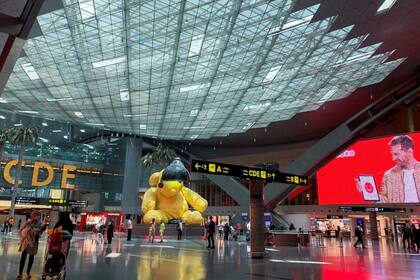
<point>209,139</point>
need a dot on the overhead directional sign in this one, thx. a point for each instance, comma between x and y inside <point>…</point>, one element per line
<point>246,172</point>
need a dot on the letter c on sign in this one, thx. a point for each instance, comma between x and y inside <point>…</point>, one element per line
<point>6,173</point>
<point>47,181</point>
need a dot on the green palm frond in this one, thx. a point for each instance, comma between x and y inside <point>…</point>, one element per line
<point>17,135</point>
<point>162,155</point>
<point>3,137</point>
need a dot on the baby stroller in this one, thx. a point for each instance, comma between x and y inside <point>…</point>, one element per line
<point>57,250</point>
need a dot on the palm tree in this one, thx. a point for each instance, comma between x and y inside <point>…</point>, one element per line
<point>20,136</point>
<point>3,139</point>
<point>162,156</point>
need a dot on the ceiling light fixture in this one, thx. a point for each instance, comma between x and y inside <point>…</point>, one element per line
<point>18,124</point>
<point>44,124</point>
<point>134,115</point>
<point>82,130</point>
<point>257,106</point>
<point>59,99</point>
<point>96,124</point>
<point>30,71</point>
<point>124,94</point>
<point>386,5</point>
<point>2,100</point>
<point>193,87</point>
<point>143,126</point>
<point>108,62</point>
<point>56,130</point>
<point>195,46</point>
<point>28,112</point>
<point>194,127</point>
<point>2,117</point>
<point>79,114</point>
<point>193,137</point>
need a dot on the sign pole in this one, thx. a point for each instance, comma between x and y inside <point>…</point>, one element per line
<point>256,212</point>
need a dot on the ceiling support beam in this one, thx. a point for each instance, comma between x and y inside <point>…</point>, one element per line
<point>17,30</point>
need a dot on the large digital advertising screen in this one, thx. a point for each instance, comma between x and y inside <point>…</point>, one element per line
<point>382,170</point>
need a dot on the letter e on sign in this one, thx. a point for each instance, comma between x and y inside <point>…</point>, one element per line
<point>67,175</point>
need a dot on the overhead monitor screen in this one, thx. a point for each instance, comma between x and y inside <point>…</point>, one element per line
<point>382,170</point>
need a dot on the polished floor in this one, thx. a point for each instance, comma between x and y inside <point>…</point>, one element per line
<point>189,259</point>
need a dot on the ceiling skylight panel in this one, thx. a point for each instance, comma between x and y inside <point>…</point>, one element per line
<point>195,46</point>
<point>124,94</point>
<point>87,9</point>
<point>272,74</point>
<point>30,71</point>
<point>386,5</point>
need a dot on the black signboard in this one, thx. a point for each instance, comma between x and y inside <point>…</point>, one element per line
<point>78,203</point>
<point>334,216</point>
<point>51,201</point>
<point>370,209</point>
<point>27,200</point>
<point>207,167</point>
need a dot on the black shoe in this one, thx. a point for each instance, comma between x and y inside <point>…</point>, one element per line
<point>208,247</point>
<point>212,247</point>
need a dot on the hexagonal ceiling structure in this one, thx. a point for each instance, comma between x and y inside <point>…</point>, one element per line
<point>185,70</point>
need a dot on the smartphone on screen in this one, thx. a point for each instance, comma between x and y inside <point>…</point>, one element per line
<point>369,189</point>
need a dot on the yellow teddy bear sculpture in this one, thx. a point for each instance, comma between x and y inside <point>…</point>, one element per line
<point>169,196</point>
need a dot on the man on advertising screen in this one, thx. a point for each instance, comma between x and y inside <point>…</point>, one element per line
<point>401,183</point>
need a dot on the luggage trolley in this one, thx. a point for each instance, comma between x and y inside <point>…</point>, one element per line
<point>57,250</point>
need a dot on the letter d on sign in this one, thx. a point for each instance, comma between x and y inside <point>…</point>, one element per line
<point>47,181</point>
<point>66,175</point>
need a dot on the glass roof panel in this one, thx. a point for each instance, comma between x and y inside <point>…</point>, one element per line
<point>188,69</point>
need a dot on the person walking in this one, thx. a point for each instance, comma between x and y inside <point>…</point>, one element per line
<point>226,231</point>
<point>110,231</point>
<point>339,236</point>
<point>179,229</point>
<point>129,228</point>
<point>359,234</point>
<point>406,233</point>
<point>5,227</point>
<point>152,231</point>
<point>417,238</point>
<point>211,229</point>
<point>11,223</point>
<point>30,233</point>
<point>19,224</point>
<point>161,231</point>
<point>67,226</point>
<point>220,231</point>
<point>413,236</point>
<point>292,227</point>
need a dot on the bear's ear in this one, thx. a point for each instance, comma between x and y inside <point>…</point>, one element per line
<point>155,179</point>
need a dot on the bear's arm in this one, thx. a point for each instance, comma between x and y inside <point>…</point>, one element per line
<point>149,200</point>
<point>194,199</point>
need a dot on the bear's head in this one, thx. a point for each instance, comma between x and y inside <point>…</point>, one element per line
<point>170,181</point>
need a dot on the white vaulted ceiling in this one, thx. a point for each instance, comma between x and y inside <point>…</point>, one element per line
<point>188,69</point>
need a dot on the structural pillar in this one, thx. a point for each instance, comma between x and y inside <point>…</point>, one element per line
<point>256,211</point>
<point>373,226</point>
<point>131,181</point>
